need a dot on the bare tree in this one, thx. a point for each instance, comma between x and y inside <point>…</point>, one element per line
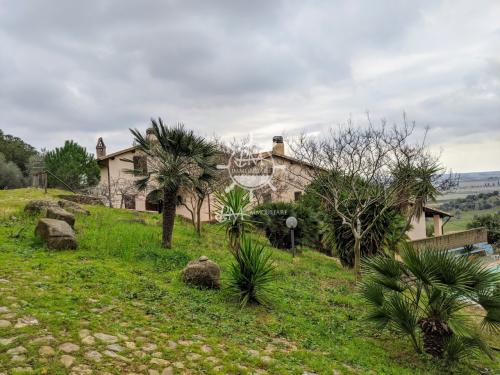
<point>120,188</point>
<point>199,192</point>
<point>356,168</point>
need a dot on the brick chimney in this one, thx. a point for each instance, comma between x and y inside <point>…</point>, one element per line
<point>100,148</point>
<point>278,145</point>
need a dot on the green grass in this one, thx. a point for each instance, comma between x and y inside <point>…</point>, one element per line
<point>120,281</point>
<point>457,224</point>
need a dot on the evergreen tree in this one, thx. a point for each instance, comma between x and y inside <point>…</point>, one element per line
<point>71,165</point>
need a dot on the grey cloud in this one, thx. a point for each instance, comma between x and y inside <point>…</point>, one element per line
<point>85,69</point>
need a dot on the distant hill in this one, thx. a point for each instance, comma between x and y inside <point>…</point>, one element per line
<point>471,176</point>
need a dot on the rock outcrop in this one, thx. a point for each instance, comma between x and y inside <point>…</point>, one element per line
<point>57,234</point>
<point>202,273</point>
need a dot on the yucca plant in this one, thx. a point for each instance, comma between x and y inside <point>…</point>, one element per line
<point>432,295</point>
<point>232,207</point>
<point>251,273</point>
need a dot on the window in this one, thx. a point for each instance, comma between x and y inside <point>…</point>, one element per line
<point>297,195</point>
<point>141,164</point>
<point>129,202</point>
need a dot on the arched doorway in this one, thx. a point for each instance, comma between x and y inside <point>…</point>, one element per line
<point>154,201</point>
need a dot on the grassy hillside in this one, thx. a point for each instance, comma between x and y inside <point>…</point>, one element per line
<point>457,224</point>
<point>121,283</point>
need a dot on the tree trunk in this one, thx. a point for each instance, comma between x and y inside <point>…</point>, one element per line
<point>198,216</point>
<point>357,248</point>
<point>357,255</point>
<point>436,335</point>
<point>169,204</point>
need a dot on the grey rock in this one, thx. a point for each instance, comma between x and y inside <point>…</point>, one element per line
<point>37,206</point>
<point>59,213</point>
<point>67,360</point>
<point>72,207</point>
<point>115,347</point>
<point>57,234</point>
<point>159,361</point>
<point>26,321</point>
<point>108,339</point>
<point>94,356</point>
<point>202,273</point>
<point>114,355</point>
<point>89,340</point>
<point>46,351</point>
<point>17,350</point>
<point>69,347</point>
<point>149,347</point>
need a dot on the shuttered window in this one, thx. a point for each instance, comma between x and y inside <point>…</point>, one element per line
<point>141,163</point>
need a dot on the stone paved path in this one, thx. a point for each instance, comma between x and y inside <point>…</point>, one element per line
<point>30,347</point>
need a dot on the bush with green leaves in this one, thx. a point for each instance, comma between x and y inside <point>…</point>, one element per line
<point>251,273</point>
<point>271,218</point>
<point>337,239</point>
<point>232,213</point>
<point>11,176</point>
<point>16,151</point>
<point>490,222</point>
<point>71,165</point>
<point>435,298</point>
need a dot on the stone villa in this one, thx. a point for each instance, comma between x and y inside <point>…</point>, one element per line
<point>119,184</point>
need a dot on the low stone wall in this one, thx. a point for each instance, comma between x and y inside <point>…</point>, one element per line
<point>83,199</point>
<point>453,240</point>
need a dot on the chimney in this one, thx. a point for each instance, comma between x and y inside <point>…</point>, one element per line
<point>278,145</point>
<point>150,135</point>
<point>100,148</point>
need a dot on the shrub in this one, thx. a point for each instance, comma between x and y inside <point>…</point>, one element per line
<point>251,273</point>
<point>271,217</point>
<point>11,176</point>
<point>428,296</point>
<point>385,234</point>
<point>491,222</point>
<point>232,207</point>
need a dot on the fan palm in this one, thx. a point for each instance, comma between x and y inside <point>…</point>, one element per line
<point>431,296</point>
<point>176,158</point>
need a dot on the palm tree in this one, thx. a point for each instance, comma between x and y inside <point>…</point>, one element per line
<point>176,158</point>
<point>431,296</point>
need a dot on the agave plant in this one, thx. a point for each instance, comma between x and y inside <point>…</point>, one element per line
<point>232,207</point>
<point>251,273</point>
<point>432,296</point>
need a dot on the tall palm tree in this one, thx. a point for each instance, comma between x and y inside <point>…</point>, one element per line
<point>176,158</point>
<point>434,297</point>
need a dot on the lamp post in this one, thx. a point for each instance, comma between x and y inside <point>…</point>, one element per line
<point>291,223</point>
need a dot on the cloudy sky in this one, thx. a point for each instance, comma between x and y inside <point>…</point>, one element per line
<point>83,69</point>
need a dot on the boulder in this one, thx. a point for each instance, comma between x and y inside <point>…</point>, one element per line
<point>61,214</point>
<point>57,234</point>
<point>72,207</point>
<point>37,206</point>
<point>203,273</point>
